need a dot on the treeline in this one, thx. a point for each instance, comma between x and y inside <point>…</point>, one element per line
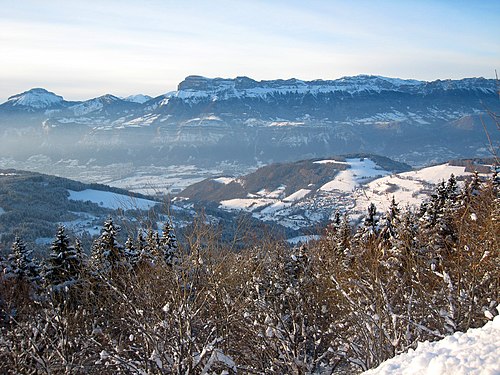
<point>341,304</point>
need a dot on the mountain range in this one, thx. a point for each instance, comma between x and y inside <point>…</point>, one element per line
<point>208,121</point>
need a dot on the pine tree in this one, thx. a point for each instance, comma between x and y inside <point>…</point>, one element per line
<point>64,263</point>
<point>168,244</point>
<point>390,221</point>
<point>369,231</point>
<point>107,253</point>
<point>20,263</point>
<point>144,249</point>
<point>131,253</point>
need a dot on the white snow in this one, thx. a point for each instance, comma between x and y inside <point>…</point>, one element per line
<point>272,194</point>
<point>408,188</point>
<point>138,98</point>
<point>111,200</point>
<point>476,351</point>
<point>330,162</point>
<point>360,170</point>
<point>141,121</point>
<point>286,123</point>
<point>36,98</point>
<point>435,174</point>
<point>299,194</point>
<point>223,180</point>
<point>245,204</point>
<point>2,211</point>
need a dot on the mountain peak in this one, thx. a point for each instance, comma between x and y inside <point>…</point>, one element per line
<point>36,98</point>
<point>138,98</point>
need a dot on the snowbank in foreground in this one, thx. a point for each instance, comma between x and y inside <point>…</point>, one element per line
<point>475,352</point>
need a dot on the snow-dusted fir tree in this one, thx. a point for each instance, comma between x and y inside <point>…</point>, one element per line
<point>390,221</point>
<point>369,231</point>
<point>143,248</point>
<point>63,266</point>
<point>131,253</point>
<point>168,244</point>
<point>20,263</point>
<point>107,253</point>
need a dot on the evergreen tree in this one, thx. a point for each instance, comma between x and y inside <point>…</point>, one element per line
<point>107,253</point>
<point>168,244</point>
<point>369,231</point>
<point>390,221</point>
<point>64,263</point>
<point>144,249</point>
<point>131,253</point>
<point>20,263</point>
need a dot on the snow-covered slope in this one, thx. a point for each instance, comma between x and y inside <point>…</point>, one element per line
<point>359,171</point>
<point>111,200</point>
<point>139,98</point>
<point>35,99</point>
<point>94,105</point>
<point>475,352</point>
<point>409,188</point>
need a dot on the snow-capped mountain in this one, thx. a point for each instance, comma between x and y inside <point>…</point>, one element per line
<point>209,121</point>
<point>34,100</point>
<point>96,104</point>
<point>139,98</point>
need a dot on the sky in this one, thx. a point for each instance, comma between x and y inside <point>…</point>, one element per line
<point>84,49</point>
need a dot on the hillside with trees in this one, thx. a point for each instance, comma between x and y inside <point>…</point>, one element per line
<point>158,304</point>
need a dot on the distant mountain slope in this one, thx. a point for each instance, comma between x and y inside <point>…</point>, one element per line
<point>305,194</point>
<point>208,121</point>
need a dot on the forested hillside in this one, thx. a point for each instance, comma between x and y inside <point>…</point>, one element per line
<point>342,304</point>
<point>32,205</point>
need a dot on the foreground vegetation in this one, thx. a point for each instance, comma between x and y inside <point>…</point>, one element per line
<point>342,304</point>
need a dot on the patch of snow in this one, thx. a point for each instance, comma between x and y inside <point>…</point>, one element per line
<point>139,98</point>
<point>248,205</point>
<point>285,123</point>
<point>223,180</point>
<point>276,206</point>
<point>272,194</point>
<point>111,200</point>
<point>141,121</point>
<point>330,162</point>
<point>2,211</point>
<point>298,195</point>
<point>360,170</point>
<point>473,352</point>
<point>436,174</point>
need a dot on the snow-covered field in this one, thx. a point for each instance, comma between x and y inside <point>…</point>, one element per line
<point>360,171</point>
<point>111,200</point>
<point>475,352</point>
<point>409,188</point>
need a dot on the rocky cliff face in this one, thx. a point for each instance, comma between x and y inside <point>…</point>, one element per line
<point>210,120</point>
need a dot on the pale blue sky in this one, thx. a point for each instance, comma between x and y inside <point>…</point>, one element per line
<point>83,49</point>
